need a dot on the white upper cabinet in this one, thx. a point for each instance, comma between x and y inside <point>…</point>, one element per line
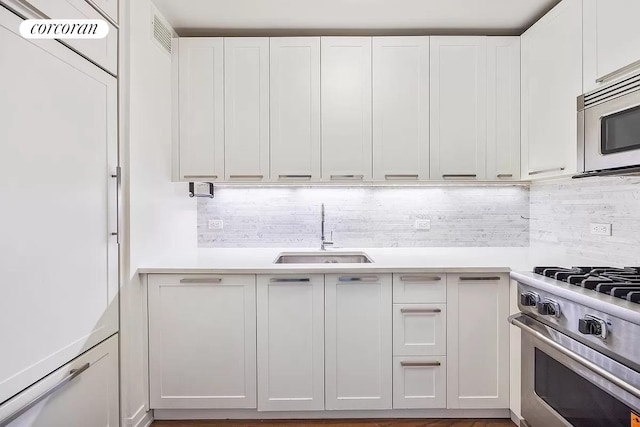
<point>458,107</point>
<point>201,102</point>
<point>295,108</point>
<point>503,108</point>
<point>346,108</point>
<point>108,7</point>
<point>611,40</point>
<point>400,108</point>
<point>551,82</point>
<point>246,112</point>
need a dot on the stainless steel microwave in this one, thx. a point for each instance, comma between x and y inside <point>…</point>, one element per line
<point>609,129</point>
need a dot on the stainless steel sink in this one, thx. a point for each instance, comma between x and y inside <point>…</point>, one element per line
<point>323,258</point>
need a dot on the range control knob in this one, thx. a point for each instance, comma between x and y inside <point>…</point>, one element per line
<point>590,325</point>
<point>529,299</point>
<point>548,307</point>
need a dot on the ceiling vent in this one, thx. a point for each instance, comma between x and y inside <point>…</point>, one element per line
<point>161,32</point>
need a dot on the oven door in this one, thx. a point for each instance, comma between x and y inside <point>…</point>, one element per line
<point>612,133</point>
<point>565,383</point>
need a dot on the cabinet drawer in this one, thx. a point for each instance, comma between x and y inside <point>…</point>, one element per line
<point>419,329</point>
<point>419,288</point>
<point>419,382</point>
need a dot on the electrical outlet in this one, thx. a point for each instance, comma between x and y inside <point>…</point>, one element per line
<point>215,224</point>
<point>600,229</point>
<point>423,224</point>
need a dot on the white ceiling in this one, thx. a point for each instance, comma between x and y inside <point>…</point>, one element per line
<point>353,16</point>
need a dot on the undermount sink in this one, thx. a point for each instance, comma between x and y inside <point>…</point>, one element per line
<point>323,258</point>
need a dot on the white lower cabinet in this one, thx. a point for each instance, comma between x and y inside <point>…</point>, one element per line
<point>290,342</point>
<point>419,382</point>
<point>358,343</point>
<point>89,399</point>
<point>419,329</point>
<point>478,341</point>
<point>202,341</point>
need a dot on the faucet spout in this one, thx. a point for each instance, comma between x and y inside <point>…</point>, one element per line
<point>324,243</point>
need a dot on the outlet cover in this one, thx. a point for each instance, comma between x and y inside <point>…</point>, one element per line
<point>423,224</point>
<point>600,229</point>
<point>215,224</point>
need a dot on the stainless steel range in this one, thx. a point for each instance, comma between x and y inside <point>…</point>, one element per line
<point>580,346</point>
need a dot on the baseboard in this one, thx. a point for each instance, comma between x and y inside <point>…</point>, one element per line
<point>141,418</point>
<point>252,414</point>
<point>516,419</point>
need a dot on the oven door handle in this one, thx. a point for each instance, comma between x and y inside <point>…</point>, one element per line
<point>516,320</point>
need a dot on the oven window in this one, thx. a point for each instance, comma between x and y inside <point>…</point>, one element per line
<point>621,131</point>
<point>577,400</point>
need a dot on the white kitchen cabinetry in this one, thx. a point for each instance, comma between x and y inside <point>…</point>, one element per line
<point>477,341</point>
<point>358,341</point>
<point>346,108</point>
<point>108,7</point>
<point>295,108</point>
<point>201,109</point>
<point>611,40</point>
<point>202,341</point>
<point>246,112</point>
<point>400,108</point>
<point>503,108</point>
<point>458,107</point>
<point>290,342</point>
<point>419,288</point>
<point>91,398</point>
<point>59,150</point>
<point>551,82</point>
<point>419,382</point>
<point>419,329</point>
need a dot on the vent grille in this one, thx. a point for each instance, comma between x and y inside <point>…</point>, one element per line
<point>615,90</point>
<point>161,33</point>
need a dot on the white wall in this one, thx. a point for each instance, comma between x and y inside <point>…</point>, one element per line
<point>160,216</point>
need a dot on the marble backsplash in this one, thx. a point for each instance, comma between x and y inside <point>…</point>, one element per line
<point>363,217</point>
<point>562,210</point>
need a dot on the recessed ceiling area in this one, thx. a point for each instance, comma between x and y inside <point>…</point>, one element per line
<point>347,17</point>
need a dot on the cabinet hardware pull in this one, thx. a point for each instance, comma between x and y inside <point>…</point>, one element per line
<point>201,280</point>
<point>246,176</point>
<point>505,175</point>
<point>546,170</point>
<point>200,176</point>
<point>73,373</point>
<point>420,310</point>
<point>294,176</point>
<point>432,364</point>
<point>473,278</point>
<point>615,73</point>
<point>351,177</point>
<point>401,176</point>
<point>289,280</point>
<point>358,279</point>
<point>420,278</point>
<point>462,175</point>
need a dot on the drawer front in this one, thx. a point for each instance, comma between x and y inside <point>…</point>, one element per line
<point>419,329</point>
<point>419,382</point>
<point>419,288</point>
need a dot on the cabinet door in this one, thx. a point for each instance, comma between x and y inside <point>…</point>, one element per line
<point>419,329</point>
<point>503,108</point>
<point>91,398</point>
<point>108,7</point>
<point>295,108</point>
<point>202,341</point>
<point>358,342</point>
<point>59,137</point>
<point>246,100</point>
<point>551,82</point>
<point>200,81</point>
<point>611,40</point>
<point>346,108</point>
<point>477,341</point>
<point>291,343</point>
<point>458,107</point>
<point>419,288</point>
<point>400,108</point>
<point>419,382</point>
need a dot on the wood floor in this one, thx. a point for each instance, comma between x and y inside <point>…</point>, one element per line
<point>339,423</point>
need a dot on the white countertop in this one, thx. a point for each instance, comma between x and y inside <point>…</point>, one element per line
<point>447,259</point>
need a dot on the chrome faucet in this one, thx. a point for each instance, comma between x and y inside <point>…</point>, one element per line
<point>324,243</point>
